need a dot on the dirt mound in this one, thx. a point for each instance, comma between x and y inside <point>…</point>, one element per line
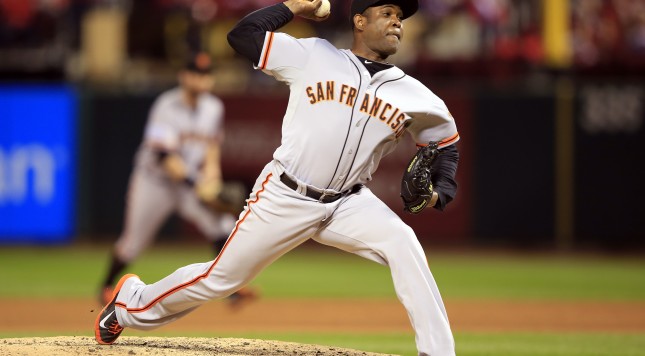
<point>154,346</point>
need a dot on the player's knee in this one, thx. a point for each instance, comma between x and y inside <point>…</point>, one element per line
<point>405,237</point>
<point>223,285</point>
<point>126,255</point>
<point>405,243</point>
<point>395,233</point>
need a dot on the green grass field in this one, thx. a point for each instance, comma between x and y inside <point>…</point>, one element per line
<point>60,272</point>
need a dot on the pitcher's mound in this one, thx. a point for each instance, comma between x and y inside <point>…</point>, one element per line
<point>157,346</point>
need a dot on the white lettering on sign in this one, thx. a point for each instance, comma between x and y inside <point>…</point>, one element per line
<point>22,165</point>
<point>612,109</point>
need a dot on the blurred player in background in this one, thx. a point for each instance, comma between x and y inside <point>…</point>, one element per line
<point>177,169</point>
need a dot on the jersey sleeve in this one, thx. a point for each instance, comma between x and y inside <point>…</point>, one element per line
<point>284,56</point>
<point>217,133</point>
<point>434,128</point>
<point>432,121</point>
<point>247,36</point>
<point>160,133</point>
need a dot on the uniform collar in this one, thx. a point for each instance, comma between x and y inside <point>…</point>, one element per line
<point>392,73</point>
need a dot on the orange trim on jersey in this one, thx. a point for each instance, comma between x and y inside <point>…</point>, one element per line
<point>452,139</point>
<point>267,51</point>
<point>443,143</point>
<point>205,274</point>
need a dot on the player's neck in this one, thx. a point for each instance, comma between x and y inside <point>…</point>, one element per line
<point>370,55</point>
<point>190,98</point>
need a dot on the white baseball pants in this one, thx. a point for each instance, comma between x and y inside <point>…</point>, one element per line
<point>276,220</point>
<point>150,202</point>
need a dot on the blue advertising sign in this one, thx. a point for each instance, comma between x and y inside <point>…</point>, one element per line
<point>37,164</point>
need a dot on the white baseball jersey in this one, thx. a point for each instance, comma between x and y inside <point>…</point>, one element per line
<point>339,123</point>
<point>365,115</point>
<point>175,127</point>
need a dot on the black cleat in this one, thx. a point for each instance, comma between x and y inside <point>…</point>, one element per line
<point>106,326</point>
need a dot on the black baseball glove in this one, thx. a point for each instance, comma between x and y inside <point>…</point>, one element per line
<point>416,186</point>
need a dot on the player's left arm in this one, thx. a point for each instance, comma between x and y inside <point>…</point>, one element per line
<point>209,181</point>
<point>209,184</point>
<point>212,161</point>
<point>432,122</point>
<point>443,171</point>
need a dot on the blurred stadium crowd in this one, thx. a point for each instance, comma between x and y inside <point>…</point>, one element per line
<point>138,44</point>
<point>553,86</point>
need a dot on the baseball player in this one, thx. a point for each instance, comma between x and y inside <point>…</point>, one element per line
<point>177,169</point>
<point>347,109</point>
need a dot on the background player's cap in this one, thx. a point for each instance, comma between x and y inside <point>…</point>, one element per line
<point>200,62</point>
<point>409,7</point>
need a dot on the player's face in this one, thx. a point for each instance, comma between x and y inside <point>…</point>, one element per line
<point>196,82</point>
<point>383,29</point>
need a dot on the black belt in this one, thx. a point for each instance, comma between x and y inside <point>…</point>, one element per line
<point>320,196</point>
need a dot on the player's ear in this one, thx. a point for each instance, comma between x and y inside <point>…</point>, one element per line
<point>359,21</point>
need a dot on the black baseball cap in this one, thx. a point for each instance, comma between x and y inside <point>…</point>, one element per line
<point>199,62</point>
<point>409,7</point>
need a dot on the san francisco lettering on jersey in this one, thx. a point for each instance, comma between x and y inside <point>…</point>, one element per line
<point>371,105</point>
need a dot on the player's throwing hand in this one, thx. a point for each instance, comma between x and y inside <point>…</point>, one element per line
<point>306,9</point>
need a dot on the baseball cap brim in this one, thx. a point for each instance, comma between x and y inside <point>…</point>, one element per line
<point>408,7</point>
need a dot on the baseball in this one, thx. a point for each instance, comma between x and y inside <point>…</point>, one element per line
<point>324,9</point>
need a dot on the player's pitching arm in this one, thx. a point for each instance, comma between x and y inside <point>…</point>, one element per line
<point>248,35</point>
